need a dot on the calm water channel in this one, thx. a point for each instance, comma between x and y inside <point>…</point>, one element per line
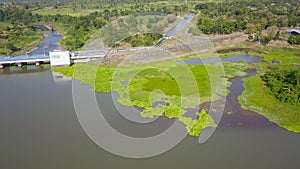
<point>39,129</point>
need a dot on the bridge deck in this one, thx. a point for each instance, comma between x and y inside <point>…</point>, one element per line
<point>37,59</point>
<point>24,61</point>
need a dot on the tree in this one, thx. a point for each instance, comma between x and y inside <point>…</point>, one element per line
<point>277,36</point>
<point>267,39</point>
<point>7,28</point>
<point>294,40</point>
<point>106,14</point>
<point>201,6</point>
<point>271,31</point>
<point>250,28</point>
<point>115,12</point>
<point>284,85</point>
<point>250,36</point>
<point>283,21</point>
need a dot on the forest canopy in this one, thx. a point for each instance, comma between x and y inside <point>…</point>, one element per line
<point>77,20</point>
<point>250,16</point>
<point>284,85</point>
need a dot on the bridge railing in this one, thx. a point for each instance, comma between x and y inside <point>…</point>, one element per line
<point>24,57</point>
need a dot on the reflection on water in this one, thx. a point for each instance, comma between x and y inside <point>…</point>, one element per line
<point>24,69</point>
<point>57,77</point>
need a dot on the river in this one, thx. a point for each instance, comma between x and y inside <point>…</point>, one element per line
<point>39,129</point>
<point>179,26</point>
<point>48,44</point>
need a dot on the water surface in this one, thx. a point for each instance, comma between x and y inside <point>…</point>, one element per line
<point>179,26</point>
<point>39,129</point>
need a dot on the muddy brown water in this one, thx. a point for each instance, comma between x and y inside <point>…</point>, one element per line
<point>234,116</point>
<point>39,130</point>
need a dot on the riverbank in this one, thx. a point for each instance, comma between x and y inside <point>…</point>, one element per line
<point>23,43</point>
<point>257,96</point>
<point>40,41</point>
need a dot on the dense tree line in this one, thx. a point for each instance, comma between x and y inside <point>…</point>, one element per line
<point>18,37</point>
<point>146,39</point>
<point>17,31</point>
<point>136,30</point>
<point>16,15</point>
<point>222,18</point>
<point>284,84</point>
<point>249,16</point>
<point>135,5</point>
<point>77,30</point>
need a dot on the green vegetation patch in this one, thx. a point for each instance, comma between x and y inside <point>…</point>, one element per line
<point>286,56</point>
<point>284,85</point>
<point>145,39</point>
<point>249,16</point>
<point>158,88</point>
<point>258,97</point>
<point>294,40</point>
<point>194,127</point>
<point>18,39</point>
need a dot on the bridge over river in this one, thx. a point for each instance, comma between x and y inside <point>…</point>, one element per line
<point>37,59</point>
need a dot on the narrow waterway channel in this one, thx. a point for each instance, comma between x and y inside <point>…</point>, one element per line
<point>234,115</point>
<point>49,43</point>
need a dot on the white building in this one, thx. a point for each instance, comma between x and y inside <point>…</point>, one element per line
<point>60,58</point>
